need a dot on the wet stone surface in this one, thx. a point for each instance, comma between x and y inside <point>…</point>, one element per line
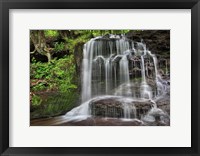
<point>94,121</point>
<point>112,107</point>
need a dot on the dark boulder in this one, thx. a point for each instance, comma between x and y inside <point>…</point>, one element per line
<point>114,107</point>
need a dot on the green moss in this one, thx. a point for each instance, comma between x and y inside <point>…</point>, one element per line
<point>56,104</point>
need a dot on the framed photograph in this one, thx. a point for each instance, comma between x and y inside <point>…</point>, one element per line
<point>99,78</point>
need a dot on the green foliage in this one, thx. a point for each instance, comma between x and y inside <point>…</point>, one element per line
<point>51,33</point>
<point>79,36</point>
<point>73,37</point>
<point>82,36</point>
<point>56,78</point>
<point>58,74</point>
<point>59,46</point>
<point>36,100</point>
<point>41,86</point>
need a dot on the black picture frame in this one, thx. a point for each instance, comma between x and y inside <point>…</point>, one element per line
<point>5,5</point>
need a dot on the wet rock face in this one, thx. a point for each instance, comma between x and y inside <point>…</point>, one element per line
<point>101,109</point>
<point>157,41</point>
<point>164,103</point>
<point>115,108</point>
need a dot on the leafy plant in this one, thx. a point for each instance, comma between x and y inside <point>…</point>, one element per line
<point>51,33</point>
<point>59,46</point>
<point>58,74</point>
<point>36,100</point>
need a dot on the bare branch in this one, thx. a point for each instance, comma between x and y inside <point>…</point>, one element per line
<point>32,52</point>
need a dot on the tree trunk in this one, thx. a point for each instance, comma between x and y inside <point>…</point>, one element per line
<point>48,56</point>
<point>39,41</point>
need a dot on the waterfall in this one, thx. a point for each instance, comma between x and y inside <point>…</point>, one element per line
<point>143,70</point>
<point>111,58</point>
<point>161,85</point>
<point>116,68</point>
<point>107,73</point>
<point>110,53</point>
<point>124,70</point>
<point>155,66</point>
<point>86,89</point>
<point>127,111</point>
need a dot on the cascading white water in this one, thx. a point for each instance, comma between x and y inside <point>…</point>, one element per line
<point>143,70</point>
<point>145,88</point>
<point>85,95</point>
<point>127,111</point>
<point>87,69</point>
<point>106,69</point>
<point>107,73</point>
<point>159,82</point>
<point>155,66</point>
<point>104,58</point>
<point>124,70</point>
